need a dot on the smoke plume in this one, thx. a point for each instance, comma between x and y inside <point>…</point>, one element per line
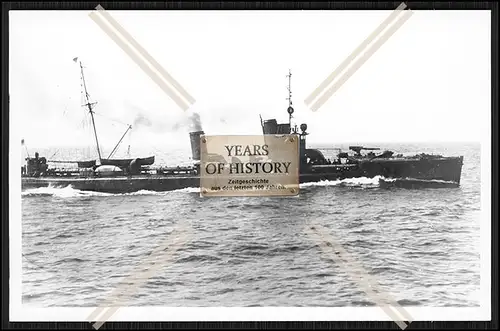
<point>163,121</point>
<point>191,123</point>
<point>142,120</point>
<point>195,122</point>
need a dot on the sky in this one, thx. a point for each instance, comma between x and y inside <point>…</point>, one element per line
<point>429,82</point>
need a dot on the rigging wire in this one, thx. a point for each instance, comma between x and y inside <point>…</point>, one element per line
<point>111,119</point>
<point>117,148</point>
<point>57,151</point>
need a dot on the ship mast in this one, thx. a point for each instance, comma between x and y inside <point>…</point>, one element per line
<point>89,105</point>
<point>290,108</point>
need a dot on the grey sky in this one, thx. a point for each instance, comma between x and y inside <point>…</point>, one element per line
<point>430,81</point>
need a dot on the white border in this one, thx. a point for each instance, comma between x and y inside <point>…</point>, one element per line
<point>19,313</point>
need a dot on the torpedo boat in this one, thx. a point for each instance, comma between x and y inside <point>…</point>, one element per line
<point>140,173</point>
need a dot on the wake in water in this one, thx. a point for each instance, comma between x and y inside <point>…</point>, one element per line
<point>362,182</point>
<point>70,192</point>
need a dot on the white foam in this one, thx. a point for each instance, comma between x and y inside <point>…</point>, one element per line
<point>70,192</point>
<point>358,181</point>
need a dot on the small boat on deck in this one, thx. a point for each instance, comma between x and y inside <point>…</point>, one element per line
<point>126,162</point>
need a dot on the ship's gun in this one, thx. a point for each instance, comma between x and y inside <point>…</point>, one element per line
<point>385,154</point>
<point>358,149</point>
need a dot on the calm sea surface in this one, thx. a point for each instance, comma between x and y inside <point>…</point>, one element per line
<point>422,246</point>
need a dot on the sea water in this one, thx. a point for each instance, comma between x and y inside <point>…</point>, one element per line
<point>420,245</point>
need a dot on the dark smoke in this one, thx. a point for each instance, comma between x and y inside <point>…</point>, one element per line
<point>191,122</point>
<point>164,123</point>
<point>195,122</point>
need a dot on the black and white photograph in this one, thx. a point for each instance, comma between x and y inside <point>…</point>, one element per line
<point>389,219</point>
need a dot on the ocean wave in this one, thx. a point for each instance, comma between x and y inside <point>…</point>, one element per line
<point>89,244</point>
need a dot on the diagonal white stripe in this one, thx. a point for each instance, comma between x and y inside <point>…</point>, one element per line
<point>145,61</point>
<point>352,267</point>
<point>406,15</point>
<point>158,258</point>
<point>146,55</point>
<point>135,55</point>
<point>355,53</point>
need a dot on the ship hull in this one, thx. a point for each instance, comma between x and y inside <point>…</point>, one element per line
<point>117,184</point>
<point>446,169</point>
<point>134,184</point>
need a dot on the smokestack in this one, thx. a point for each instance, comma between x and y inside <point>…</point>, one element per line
<point>195,144</point>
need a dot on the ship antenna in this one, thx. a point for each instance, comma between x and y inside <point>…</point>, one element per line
<point>89,106</point>
<point>289,87</point>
